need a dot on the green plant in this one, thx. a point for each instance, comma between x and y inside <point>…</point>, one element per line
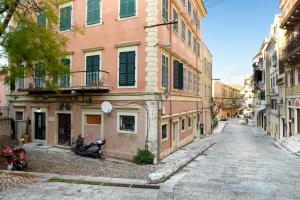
<point>144,157</point>
<point>215,122</point>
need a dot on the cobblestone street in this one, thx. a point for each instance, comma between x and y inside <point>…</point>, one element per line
<point>244,164</point>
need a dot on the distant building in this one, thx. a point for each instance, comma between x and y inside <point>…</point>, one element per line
<point>226,99</point>
<point>3,98</point>
<point>247,97</point>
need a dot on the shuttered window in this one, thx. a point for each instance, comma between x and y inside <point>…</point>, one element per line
<point>189,8</point>
<point>178,75</point>
<point>183,30</point>
<point>92,70</point>
<point>175,19</point>
<point>65,79</point>
<point>165,71</point>
<point>39,75</point>
<point>189,38</point>
<point>93,12</point>
<point>127,68</point>
<point>127,8</point>
<point>65,18</point>
<point>165,10</point>
<point>41,19</point>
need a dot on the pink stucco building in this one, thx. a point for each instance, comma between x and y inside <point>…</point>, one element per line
<point>131,57</point>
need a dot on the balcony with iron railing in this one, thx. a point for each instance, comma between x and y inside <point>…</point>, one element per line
<point>291,52</point>
<point>291,15</point>
<point>82,81</point>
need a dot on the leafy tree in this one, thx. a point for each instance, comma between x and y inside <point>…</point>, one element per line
<point>25,42</point>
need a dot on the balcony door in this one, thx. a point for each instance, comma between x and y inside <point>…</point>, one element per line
<point>92,70</point>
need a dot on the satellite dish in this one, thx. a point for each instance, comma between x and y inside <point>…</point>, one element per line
<point>106,107</point>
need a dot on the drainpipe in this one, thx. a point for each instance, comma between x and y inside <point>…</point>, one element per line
<point>158,128</point>
<point>170,75</point>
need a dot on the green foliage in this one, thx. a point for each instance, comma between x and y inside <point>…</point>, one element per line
<point>215,122</point>
<point>26,42</point>
<point>143,157</point>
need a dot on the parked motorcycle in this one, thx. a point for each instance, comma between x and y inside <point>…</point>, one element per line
<point>92,150</point>
<point>15,156</point>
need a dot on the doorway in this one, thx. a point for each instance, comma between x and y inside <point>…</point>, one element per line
<point>175,135</point>
<point>64,129</point>
<point>40,126</point>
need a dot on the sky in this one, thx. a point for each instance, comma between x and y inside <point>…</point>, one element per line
<point>233,30</point>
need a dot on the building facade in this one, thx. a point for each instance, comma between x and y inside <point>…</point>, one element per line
<point>290,63</point>
<point>155,74</point>
<point>275,78</point>
<point>3,90</point>
<point>226,99</point>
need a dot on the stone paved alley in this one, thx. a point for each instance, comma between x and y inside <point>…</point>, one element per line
<point>244,164</point>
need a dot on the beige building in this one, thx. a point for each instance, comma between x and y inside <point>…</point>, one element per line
<point>290,64</point>
<point>226,99</point>
<point>154,75</point>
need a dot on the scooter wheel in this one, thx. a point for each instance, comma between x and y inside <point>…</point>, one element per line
<point>97,155</point>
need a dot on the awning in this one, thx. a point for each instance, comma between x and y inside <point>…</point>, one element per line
<point>260,108</point>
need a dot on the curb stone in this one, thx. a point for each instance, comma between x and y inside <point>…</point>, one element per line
<point>46,176</point>
<point>168,171</point>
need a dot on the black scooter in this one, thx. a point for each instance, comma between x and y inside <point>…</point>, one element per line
<point>92,150</point>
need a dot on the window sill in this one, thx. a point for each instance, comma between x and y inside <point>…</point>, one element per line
<point>127,18</point>
<point>92,25</point>
<point>127,132</point>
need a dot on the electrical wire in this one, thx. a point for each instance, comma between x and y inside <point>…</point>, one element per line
<point>214,3</point>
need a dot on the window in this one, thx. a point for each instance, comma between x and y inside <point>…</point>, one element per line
<point>20,81</point>
<point>183,124</point>
<point>19,116</point>
<point>198,49</point>
<point>199,26</point>
<point>190,122</point>
<point>41,19</point>
<point>65,79</point>
<point>189,8</point>
<point>184,79</point>
<point>65,20</point>
<point>183,30</point>
<point>165,71</point>
<point>183,2</point>
<point>190,80</point>
<point>177,75</point>
<point>127,68</point>
<point>200,85</point>
<point>164,131</point>
<point>127,8</point>
<point>93,119</point>
<point>195,45</point>
<point>93,12</point>
<point>195,83</point>
<point>39,75</point>
<point>92,70</point>
<point>127,122</point>
<point>175,18</point>
<point>165,10</point>
<point>189,38</point>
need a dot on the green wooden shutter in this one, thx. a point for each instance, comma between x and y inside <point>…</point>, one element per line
<point>92,70</point>
<point>175,74</point>
<point>93,12</point>
<point>131,68</point>
<point>127,68</point>
<point>122,69</point>
<point>180,76</point>
<point>39,74</point>
<point>41,19</point>
<point>165,10</point>
<point>127,8</point>
<point>65,18</point>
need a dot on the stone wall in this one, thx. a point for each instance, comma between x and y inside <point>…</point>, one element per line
<point>5,126</point>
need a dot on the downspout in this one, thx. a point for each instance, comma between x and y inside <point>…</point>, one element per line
<point>170,75</point>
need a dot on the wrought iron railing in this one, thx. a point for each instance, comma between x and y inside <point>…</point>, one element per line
<point>4,111</point>
<point>76,79</point>
<point>293,43</point>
